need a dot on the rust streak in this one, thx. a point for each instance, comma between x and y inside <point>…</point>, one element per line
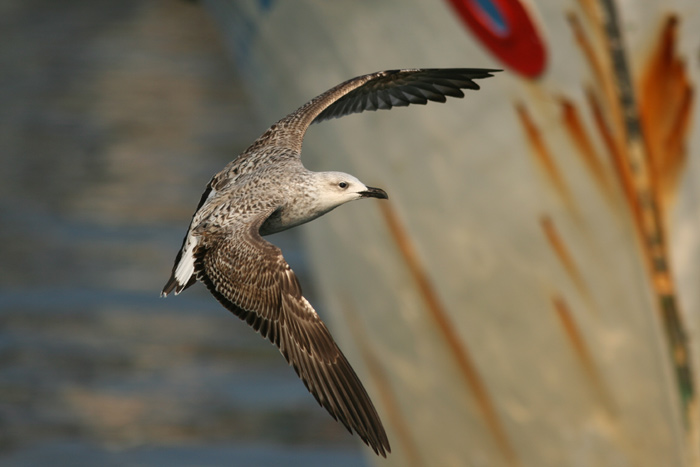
<point>564,255</point>
<point>666,97</point>
<point>583,354</point>
<point>601,71</point>
<point>586,46</point>
<point>678,135</point>
<point>387,395</point>
<point>544,158</point>
<point>646,157</point>
<point>457,347</point>
<point>675,141</point>
<point>590,8</point>
<point>577,132</point>
<point>645,131</point>
<point>618,159</point>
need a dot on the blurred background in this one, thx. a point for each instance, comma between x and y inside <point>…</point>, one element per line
<point>526,297</point>
<point>113,117</point>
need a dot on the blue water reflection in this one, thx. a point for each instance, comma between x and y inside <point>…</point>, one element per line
<point>114,116</point>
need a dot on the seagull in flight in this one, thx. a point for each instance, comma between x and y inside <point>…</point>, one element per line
<point>265,190</point>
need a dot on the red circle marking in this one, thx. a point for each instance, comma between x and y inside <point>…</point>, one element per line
<point>507,31</point>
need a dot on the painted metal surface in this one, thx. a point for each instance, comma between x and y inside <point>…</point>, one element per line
<point>529,294</point>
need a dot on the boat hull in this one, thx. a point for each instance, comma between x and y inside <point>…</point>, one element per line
<point>528,294</point>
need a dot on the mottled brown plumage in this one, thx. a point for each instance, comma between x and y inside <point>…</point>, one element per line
<point>267,189</point>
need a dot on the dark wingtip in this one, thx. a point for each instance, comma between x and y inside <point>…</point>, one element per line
<point>484,72</point>
<point>382,449</point>
<point>168,287</point>
<point>174,285</point>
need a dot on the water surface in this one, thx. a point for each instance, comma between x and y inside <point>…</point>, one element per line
<point>113,117</point>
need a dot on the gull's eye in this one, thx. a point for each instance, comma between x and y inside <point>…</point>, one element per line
<point>343,185</point>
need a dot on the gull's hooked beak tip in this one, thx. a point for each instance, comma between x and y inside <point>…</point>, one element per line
<point>372,192</point>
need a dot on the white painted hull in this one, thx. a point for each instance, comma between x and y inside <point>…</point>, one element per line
<point>506,305</point>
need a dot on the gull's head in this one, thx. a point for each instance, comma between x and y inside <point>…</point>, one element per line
<point>336,188</point>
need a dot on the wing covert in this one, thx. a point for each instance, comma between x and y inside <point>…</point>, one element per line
<point>250,277</point>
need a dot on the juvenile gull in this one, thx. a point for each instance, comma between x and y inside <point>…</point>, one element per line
<point>265,190</point>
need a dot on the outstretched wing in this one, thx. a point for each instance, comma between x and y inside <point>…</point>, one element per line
<point>399,88</point>
<point>249,276</point>
<point>381,90</point>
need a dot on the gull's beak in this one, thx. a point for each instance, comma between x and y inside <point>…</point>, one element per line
<point>374,193</point>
